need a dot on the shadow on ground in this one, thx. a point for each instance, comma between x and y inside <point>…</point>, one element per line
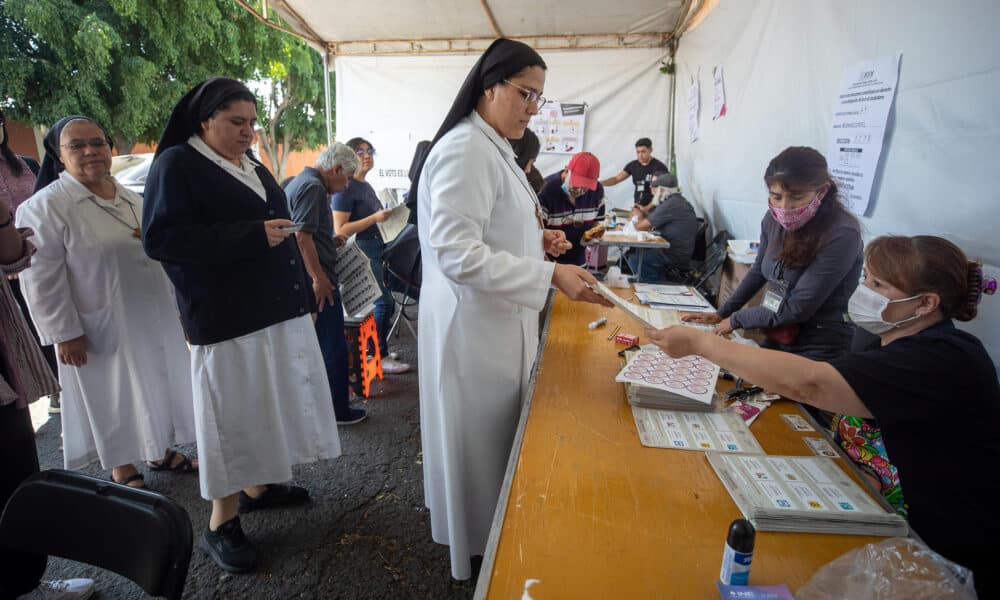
<point>366,533</point>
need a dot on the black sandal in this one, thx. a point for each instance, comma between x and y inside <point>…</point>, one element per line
<point>167,463</point>
<point>130,479</point>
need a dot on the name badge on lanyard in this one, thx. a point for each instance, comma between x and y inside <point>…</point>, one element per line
<point>776,291</point>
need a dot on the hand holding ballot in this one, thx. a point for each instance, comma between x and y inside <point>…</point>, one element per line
<point>577,283</point>
<point>722,326</point>
<point>676,342</point>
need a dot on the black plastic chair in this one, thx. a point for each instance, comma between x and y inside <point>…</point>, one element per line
<point>137,533</point>
<point>715,256</point>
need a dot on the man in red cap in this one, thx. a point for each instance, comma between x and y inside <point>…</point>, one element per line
<point>573,201</point>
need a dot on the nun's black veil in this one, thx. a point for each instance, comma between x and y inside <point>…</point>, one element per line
<point>199,105</point>
<point>51,165</point>
<point>504,58</point>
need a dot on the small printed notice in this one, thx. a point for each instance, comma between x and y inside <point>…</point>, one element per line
<point>797,423</point>
<point>860,113</point>
<point>821,447</point>
<point>358,287</point>
<point>559,127</point>
<point>694,106</point>
<point>720,93</point>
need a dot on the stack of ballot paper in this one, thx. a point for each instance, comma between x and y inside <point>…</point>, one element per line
<point>676,297</point>
<point>654,380</point>
<point>724,432</point>
<point>797,493</point>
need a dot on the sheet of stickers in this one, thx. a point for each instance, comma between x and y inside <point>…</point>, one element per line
<point>723,432</point>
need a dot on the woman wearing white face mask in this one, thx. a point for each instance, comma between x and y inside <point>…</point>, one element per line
<point>922,369</point>
<point>809,261</point>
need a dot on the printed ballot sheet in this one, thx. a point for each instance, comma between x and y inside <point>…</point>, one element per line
<point>723,432</point>
<point>799,493</point>
<point>649,317</point>
<point>393,226</point>
<point>357,284</point>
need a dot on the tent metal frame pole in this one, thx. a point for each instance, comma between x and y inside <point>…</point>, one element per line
<point>326,96</point>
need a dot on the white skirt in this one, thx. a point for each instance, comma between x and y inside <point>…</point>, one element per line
<point>262,403</point>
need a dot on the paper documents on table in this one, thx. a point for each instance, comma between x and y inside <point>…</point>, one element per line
<point>650,318</point>
<point>798,493</point>
<point>676,297</point>
<point>357,284</point>
<point>723,432</point>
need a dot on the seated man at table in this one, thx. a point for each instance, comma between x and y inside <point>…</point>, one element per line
<point>641,170</point>
<point>674,220</point>
<point>572,201</point>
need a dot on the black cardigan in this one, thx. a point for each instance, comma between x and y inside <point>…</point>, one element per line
<point>207,229</point>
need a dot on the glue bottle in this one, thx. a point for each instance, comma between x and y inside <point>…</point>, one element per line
<point>614,221</point>
<point>738,553</point>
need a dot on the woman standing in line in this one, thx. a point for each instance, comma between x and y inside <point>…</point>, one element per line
<point>218,222</point>
<point>485,280</point>
<point>107,308</point>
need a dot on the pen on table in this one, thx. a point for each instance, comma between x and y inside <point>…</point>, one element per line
<point>613,333</point>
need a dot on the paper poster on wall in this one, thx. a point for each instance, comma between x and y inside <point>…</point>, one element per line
<point>720,93</point>
<point>559,127</point>
<point>694,105</point>
<point>860,112</point>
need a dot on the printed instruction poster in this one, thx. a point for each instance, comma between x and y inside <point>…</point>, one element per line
<point>559,127</point>
<point>694,106</point>
<point>860,112</point>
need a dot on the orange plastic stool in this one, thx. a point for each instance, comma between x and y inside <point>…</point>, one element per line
<point>364,369</point>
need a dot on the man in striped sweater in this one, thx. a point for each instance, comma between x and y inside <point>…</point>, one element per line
<point>572,200</point>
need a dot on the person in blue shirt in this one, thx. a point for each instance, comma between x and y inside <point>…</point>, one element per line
<point>357,211</point>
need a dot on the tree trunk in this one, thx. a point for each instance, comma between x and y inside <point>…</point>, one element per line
<point>123,145</point>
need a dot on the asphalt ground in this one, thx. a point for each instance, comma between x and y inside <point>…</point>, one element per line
<point>366,533</point>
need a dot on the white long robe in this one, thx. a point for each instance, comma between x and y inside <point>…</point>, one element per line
<point>484,282</point>
<point>90,276</point>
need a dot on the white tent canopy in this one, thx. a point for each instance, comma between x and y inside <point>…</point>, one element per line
<point>405,26</point>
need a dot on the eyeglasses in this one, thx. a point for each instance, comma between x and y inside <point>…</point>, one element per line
<point>530,96</point>
<point>369,152</point>
<point>79,145</point>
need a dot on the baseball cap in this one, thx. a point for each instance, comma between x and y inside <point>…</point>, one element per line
<point>584,169</point>
<point>664,180</point>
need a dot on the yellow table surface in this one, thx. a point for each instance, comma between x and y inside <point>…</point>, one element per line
<point>591,513</point>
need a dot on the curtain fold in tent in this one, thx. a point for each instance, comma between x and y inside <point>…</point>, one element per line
<point>783,61</point>
<point>397,101</point>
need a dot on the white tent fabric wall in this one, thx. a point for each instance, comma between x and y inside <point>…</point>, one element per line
<point>397,101</point>
<point>783,62</point>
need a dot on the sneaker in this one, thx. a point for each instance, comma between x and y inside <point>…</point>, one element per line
<point>394,367</point>
<point>55,404</point>
<point>229,547</point>
<point>62,589</point>
<point>354,416</point>
<point>276,495</point>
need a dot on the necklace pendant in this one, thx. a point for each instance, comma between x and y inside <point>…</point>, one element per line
<point>137,233</point>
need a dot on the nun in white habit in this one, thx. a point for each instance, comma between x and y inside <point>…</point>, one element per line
<point>485,279</point>
<point>216,219</point>
<point>108,309</point>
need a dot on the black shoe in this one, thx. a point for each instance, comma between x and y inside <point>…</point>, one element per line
<point>275,496</point>
<point>353,416</point>
<point>229,547</point>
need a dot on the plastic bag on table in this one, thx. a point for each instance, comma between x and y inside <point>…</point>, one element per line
<point>894,569</point>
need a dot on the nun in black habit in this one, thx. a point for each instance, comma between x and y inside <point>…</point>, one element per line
<point>215,218</point>
<point>485,280</point>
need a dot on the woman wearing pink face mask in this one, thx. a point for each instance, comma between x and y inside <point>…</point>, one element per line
<point>809,260</point>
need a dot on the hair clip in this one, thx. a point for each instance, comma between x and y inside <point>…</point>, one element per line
<point>989,285</point>
<point>982,286</point>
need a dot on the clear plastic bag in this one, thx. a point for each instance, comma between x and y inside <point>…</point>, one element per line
<point>894,569</point>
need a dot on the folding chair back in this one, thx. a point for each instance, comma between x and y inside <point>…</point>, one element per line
<point>138,533</point>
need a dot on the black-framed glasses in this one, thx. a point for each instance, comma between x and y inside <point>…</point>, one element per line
<point>362,152</point>
<point>79,145</point>
<point>530,96</point>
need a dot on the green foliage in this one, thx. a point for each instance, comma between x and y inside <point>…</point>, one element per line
<point>127,62</point>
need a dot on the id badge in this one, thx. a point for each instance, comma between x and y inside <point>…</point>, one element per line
<point>640,187</point>
<point>772,300</point>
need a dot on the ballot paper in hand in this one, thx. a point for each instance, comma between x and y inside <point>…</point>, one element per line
<point>650,318</point>
<point>391,227</point>
<point>357,284</point>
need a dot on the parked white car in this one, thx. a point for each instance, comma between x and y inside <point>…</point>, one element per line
<point>131,170</point>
